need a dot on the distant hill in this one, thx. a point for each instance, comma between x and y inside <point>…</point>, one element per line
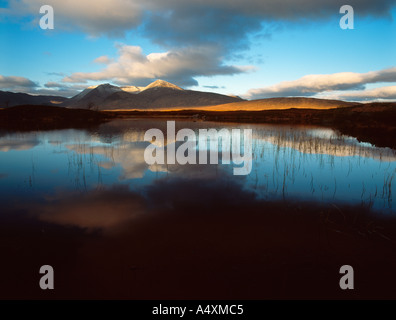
<point>158,95</point>
<point>162,95</point>
<point>281,104</point>
<point>11,99</point>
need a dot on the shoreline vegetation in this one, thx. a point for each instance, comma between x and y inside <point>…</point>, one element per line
<point>372,122</point>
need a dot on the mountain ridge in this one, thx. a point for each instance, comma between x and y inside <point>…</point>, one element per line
<point>157,95</point>
<point>12,99</point>
<point>163,95</point>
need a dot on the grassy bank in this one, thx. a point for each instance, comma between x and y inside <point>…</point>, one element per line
<point>374,123</point>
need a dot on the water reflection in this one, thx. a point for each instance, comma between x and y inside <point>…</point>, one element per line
<point>103,209</point>
<point>114,227</point>
<point>25,142</point>
<point>289,163</point>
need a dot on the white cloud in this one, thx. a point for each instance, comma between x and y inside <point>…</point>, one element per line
<point>179,66</point>
<point>310,85</point>
<point>103,60</point>
<point>201,24</point>
<point>382,93</point>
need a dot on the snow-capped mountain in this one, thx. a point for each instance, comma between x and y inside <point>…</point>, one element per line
<point>161,84</point>
<point>156,84</point>
<point>159,94</point>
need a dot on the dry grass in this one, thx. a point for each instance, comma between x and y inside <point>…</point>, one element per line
<point>261,105</point>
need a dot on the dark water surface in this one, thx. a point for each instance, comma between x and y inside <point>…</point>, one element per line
<point>86,203</point>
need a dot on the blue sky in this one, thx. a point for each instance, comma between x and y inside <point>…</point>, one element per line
<point>257,50</point>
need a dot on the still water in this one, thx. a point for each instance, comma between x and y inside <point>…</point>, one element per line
<point>113,227</point>
<point>289,163</point>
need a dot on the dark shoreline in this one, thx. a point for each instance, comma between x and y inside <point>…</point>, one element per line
<point>373,123</point>
<point>32,118</point>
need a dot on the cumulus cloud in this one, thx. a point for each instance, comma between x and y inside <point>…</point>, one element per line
<point>103,60</point>
<point>310,85</point>
<point>178,66</point>
<point>228,22</point>
<point>181,22</point>
<point>382,93</point>
<point>16,83</point>
<point>274,9</point>
<point>216,28</point>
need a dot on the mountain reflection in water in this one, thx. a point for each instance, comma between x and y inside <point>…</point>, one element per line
<point>292,163</point>
<point>114,227</point>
